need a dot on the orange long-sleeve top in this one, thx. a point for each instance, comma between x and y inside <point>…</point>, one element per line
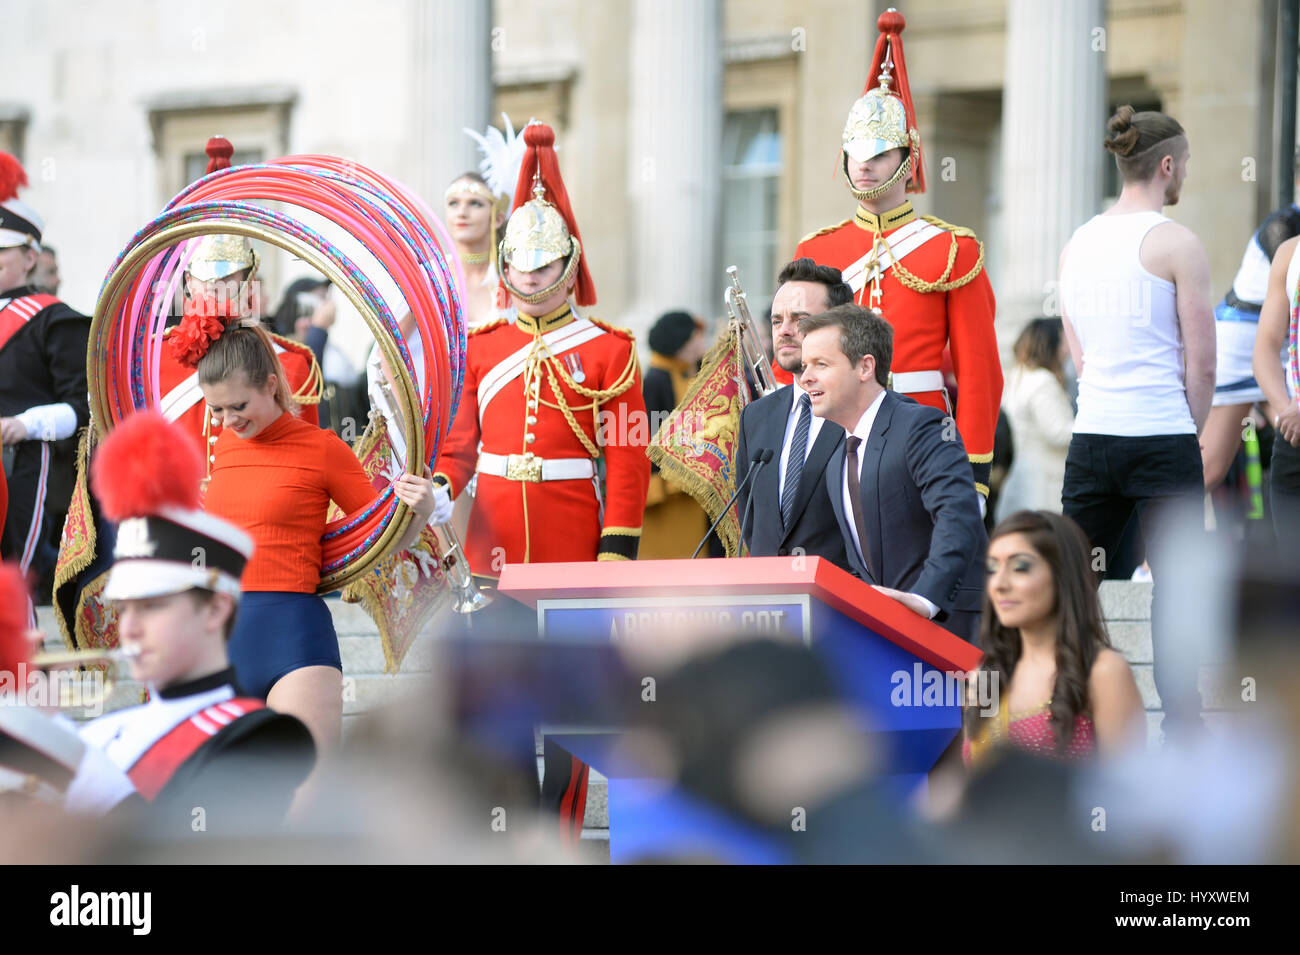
<point>277,486</point>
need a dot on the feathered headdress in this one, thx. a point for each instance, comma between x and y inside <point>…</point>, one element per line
<point>146,477</point>
<point>19,222</point>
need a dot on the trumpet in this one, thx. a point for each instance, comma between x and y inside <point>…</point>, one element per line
<point>82,678</point>
<point>469,597</point>
<point>733,297</point>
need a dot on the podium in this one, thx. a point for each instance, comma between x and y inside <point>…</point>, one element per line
<point>899,672</point>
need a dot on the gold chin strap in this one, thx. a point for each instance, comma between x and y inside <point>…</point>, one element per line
<point>575,255</point>
<point>867,195</point>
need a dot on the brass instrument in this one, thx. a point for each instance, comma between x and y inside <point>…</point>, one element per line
<point>100,672</point>
<point>468,595</point>
<point>755,357</point>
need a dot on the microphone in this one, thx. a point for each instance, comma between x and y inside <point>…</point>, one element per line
<point>757,461</point>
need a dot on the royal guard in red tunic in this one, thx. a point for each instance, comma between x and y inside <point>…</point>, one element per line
<point>924,275</point>
<point>221,287</point>
<point>548,392</point>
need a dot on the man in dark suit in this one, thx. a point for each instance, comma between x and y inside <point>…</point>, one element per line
<point>900,481</point>
<point>785,510</point>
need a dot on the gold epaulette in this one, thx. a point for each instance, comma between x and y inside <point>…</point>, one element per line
<point>826,231</point>
<point>310,392</point>
<point>616,329</point>
<point>488,326</point>
<point>957,230</point>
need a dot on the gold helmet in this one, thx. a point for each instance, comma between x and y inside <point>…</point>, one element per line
<point>220,256</point>
<point>883,118</point>
<point>542,230</point>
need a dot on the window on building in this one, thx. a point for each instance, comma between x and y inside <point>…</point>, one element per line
<point>751,177</point>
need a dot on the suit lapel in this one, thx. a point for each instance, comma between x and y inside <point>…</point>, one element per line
<point>872,453</point>
<point>829,438</point>
<point>768,483</point>
<point>835,490</point>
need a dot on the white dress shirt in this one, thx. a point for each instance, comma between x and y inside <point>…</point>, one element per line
<point>863,431</point>
<point>814,426</point>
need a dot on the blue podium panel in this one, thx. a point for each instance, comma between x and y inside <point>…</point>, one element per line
<point>616,619</point>
<point>910,710</point>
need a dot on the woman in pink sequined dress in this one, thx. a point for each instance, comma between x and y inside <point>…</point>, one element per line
<point>1059,688</point>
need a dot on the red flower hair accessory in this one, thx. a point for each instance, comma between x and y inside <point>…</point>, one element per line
<point>190,340</point>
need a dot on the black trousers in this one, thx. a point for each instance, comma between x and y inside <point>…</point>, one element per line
<point>1284,495</point>
<point>1108,480</point>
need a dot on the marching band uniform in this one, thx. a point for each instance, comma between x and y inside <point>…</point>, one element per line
<point>201,741</point>
<point>926,276</point>
<point>546,395</point>
<point>42,384</point>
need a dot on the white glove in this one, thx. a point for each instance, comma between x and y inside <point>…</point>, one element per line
<point>442,505</point>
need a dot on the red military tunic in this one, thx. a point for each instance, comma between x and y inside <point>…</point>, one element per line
<point>925,323</point>
<point>520,520</point>
<point>183,403</point>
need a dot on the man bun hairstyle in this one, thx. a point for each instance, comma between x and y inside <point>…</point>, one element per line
<point>1141,140</point>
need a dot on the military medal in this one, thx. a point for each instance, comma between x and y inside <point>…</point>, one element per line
<point>574,364</point>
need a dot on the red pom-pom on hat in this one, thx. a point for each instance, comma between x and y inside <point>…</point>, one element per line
<point>891,25</point>
<point>15,648</point>
<point>146,464</point>
<point>12,177</point>
<point>539,158</point>
<point>219,152</point>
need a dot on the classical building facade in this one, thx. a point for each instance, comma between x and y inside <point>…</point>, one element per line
<point>694,134</point>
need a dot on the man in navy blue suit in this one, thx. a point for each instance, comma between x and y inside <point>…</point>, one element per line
<point>785,510</point>
<point>899,484</point>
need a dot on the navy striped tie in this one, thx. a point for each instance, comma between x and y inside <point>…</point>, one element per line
<point>794,465</point>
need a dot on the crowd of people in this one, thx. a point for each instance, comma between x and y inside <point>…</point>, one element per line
<point>861,457</point>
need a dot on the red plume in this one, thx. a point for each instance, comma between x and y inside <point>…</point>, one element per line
<point>12,176</point>
<point>15,648</point>
<point>540,155</point>
<point>147,463</point>
<point>219,152</point>
<point>891,24</point>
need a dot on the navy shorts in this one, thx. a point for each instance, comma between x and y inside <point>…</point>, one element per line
<point>277,633</point>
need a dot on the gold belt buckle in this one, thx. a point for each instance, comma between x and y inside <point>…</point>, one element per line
<point>523,467</point>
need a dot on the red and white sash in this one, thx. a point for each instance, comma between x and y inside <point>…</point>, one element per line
<point>512,366</point>
<point>18,312</point>
<point>904,241</point>
<point>155,768</point>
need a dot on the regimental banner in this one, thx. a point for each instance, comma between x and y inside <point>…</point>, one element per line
<point>403,592</point>
<point>696,446</point>
<point>86,620</point>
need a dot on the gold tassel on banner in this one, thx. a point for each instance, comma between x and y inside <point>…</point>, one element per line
<point>696,446</point>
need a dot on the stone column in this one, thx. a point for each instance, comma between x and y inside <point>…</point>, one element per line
<point>452,90</point>
<point>1053,123</point>
<point>674,157</point>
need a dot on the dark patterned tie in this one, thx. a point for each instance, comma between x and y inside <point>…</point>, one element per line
<point>794,466</point>
<point>855,499</point>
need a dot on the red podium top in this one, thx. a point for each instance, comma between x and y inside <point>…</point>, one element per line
<point>747,576</point>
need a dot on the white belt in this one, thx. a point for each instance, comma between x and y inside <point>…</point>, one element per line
<point>529,467</point>
<point>912,382</point>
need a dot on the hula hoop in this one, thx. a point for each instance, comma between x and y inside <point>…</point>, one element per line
<point>391,224</point>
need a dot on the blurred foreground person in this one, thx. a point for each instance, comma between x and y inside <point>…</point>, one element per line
<point>206,756</point>
<point>775,763</point>
<point>1063,690</point>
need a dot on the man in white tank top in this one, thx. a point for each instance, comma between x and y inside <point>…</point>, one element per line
<point>1135,300</point>
<point>1278,372</point>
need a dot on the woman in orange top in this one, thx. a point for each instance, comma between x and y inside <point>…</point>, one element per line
<point>1059,688</point>
<point>274,475</point>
